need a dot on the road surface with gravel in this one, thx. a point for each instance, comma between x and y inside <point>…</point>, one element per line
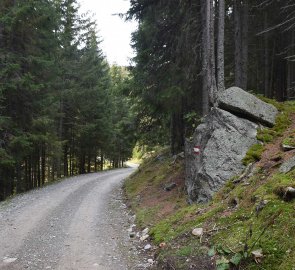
<point>78,223</point>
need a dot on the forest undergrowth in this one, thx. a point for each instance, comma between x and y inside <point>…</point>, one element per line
<point>249,224</point>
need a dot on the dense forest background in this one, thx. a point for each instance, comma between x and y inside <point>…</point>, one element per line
<point>65,111</point>
<point>62,111</point>
<point>186,49</point>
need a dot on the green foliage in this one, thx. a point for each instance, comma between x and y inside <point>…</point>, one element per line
<point>237,235</point>
<point>290,140</point>
<point>144,215</point>
<point>166,81</point>
<point>253,154</point>
<point>62,111</point>
<point>185,251</point>
<point>255,224</point>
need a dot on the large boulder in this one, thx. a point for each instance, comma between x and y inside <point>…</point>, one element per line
<point>216,152</point>
<point>244,104</point>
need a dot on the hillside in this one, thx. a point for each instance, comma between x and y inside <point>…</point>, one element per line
<point>249,224</point>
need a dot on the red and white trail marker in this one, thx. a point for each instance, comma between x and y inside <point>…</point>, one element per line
<point>197,150</point>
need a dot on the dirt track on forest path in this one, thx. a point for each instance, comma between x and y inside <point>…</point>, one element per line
<point>78,223</point>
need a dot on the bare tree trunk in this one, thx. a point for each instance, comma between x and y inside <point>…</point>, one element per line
<point>38,169</point>
<point>241,43</point>
<point>213,86</point>
<point>209,91</point>
<point>82,163</point>
<point>60,134</point>
<point>220,46</point>
<point>43,164</point>
<point>271,84</point>
<point>238,43</point>
<point>95,162</point>
<point>177,135</point>
<point>266,59</point>
<point>205,11</point>
<point>66,162</point>
<point>89,163</point>
<point>290,93</point>
<point>101,161</point>
<point>245,29</point>
<point>1,35</point>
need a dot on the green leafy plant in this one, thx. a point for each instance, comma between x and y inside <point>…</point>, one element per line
<point>227,258</point>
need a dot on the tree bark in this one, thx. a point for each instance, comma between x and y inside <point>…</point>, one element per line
<point>220,46</point>
<point>241,43</point>
<point>238,43</point>
<point>206,18</point>
<point>177,133</point>
<point>89,163</point>
<point>66,164</point>
<point>245,29</point>
<point>43,164</point>
<point>101,161</point>
<point>60,134</point>
<point>290,93</point>
<point>266,59</point>
<point>212,61</point>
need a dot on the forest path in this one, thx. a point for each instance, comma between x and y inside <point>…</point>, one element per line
<point>78,223</point>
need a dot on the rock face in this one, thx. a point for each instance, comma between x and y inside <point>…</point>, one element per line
<point>221,142</point>
<point>215,154</point>
<point>288,166</point>
<point>238,101</point>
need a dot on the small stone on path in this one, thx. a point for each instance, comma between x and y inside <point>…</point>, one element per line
<point>197,232</point>
<point>145,231</point>
<point>9,260</point>
<point>147,247</point>
<point>144,237</point>
<point>150,261</point>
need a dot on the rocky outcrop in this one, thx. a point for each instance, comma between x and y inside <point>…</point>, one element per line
<point>288,165</point>
<point>238,101</point>
<point>223,140</point>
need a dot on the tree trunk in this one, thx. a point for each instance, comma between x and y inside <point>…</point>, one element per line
<point>101,161</point>
<point>220,46</point>
<point>82,164</point>
<point>66,165</point>
<point>238,43</point>
<point>290,93</point>
<point>205,11</point>
<point>177,133</point>
<point>43,165</point>
<point>212,61</point>
<point>95,163</point>
<point>38,169</point>
<point>271,84</point>
<point>60,134</point>
<point>245,29</point>
<point>89,163</point>
<point>241,43</point>
<point>266,59</point>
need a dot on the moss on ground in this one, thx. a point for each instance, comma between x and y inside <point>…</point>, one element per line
<point>272,227</point>
<point>290,140</point>
<point>145,188</point>
<point>267,135</point>
<point>241,218</point>
<point>253,154</point>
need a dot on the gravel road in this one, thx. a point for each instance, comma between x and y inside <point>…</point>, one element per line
<point>79,223</point>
